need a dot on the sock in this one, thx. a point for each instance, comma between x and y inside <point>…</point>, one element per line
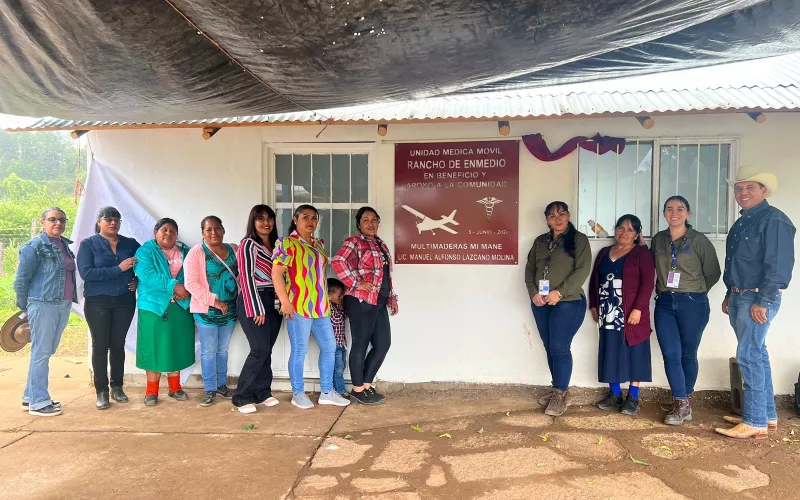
<point>616,389</point>
<point>174,383</point>
<point>634,391</point>
<point>152,388</point>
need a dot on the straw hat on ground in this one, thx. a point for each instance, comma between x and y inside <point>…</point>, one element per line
<point>15,333</point>
<point>751,173</point>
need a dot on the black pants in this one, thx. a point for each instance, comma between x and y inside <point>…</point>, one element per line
<point>368,325</point>
<point>255,381</point>
<point>109,319</point>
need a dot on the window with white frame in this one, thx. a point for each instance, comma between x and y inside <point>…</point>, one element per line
<point>337,184</point>
<point>647,172</point>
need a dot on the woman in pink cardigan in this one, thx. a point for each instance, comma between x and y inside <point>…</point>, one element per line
<point>210,276</point>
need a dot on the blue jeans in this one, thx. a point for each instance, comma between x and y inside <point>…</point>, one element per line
<point>753,359</point>
<point>47,322</point>
<point>299,330</point>
<point>340,362</point>
<point>214,342</point>
<point>680,319</point>
<point>557,326</point>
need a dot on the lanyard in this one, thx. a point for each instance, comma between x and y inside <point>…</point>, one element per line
<point>675,252</point>
<point>551,245</point>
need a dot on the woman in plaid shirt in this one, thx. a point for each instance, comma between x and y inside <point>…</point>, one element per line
<point>365,267</point>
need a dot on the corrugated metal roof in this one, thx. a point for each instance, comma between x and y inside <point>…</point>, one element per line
<point>764,84</point>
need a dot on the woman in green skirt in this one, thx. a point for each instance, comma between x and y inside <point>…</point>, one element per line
<point>165,333</point>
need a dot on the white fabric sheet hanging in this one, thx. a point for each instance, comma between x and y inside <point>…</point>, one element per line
<point>103,189</point>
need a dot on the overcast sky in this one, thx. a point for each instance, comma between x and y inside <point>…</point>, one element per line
<point>11,121</point>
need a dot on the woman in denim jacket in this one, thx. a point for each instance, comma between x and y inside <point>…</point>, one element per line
<point>45,289</point>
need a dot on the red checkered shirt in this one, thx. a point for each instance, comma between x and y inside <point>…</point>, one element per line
<point>360,259</point>
<point>337,320</point>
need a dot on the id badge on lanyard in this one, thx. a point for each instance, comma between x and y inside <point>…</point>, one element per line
<point>544,284</point>
<point>674,277</point>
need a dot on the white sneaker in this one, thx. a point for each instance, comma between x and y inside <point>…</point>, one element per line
<point>270,401</point>
<point>249,408</point>
<point>332,398</point>
<point>301,401</point>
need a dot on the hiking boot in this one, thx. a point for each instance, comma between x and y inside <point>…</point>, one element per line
<point>364,397</point>
<point>208,398</point>
<point>301,401</point>
<point>102,401</point>
<point>118,395</point>
<point>610,402</point>
<point>681,412</point>
<point>377,396</point>
<point>631,406</point>
<point>558,403</point>
<point>224,392</point>
<point>47,411</point>
<point>151,400</point>
<point>27,406</point>
<point>545,400</point>
<point>180,395</point>
<point>332,398</point>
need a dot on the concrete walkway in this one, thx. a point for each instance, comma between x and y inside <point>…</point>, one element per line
<point>451,445</point>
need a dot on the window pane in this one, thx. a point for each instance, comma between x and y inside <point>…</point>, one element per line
<point>302,179</point>
<point>283,178</point>
<point>687,177</point>
<point>341,178</point>
<point>341,229</point>
<point>667,185</point>
<point>633,184</point>
<point>284,220</point>
<point>587,181</point>
<point>644,186</point>
<point>324,228</point>
<point>698,182</point>
<point>321,177</point>
<point>360,178</point>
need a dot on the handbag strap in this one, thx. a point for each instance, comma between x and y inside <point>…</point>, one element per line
<point>220,259</point>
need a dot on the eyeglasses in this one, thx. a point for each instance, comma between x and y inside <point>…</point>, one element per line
<point>111,220</point>
<point>53,220</point>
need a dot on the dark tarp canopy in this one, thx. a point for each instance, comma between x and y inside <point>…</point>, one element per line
<point>158,60</point>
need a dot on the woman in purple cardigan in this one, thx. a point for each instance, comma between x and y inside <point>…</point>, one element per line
<point>620,289</point>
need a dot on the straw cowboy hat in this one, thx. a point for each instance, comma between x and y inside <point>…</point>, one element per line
<point>751,173</point>
<point>15,332</point>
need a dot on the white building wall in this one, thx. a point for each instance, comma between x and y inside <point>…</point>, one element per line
<point>456,322</point>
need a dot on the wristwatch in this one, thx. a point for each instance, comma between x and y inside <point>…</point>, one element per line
<point>559,295</point>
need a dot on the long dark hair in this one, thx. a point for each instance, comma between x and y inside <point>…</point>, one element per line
<point>256,212</point>
<point>570,233</point>
<point>685,204</point>
<point>636,224</point>
<point>105,212</point>
<point>297,212</point>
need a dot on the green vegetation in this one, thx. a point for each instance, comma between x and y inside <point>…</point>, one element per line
<point>37,170</point>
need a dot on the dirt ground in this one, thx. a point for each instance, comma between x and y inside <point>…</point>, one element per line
<point>455,444</point>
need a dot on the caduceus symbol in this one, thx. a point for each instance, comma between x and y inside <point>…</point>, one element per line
<point>489,203</point>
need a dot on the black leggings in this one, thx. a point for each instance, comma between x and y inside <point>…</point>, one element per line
<point>109,319</point>
<point>368,325</point>
<point>255,381</point>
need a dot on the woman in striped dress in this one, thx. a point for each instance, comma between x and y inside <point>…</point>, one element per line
<point>256,310</point>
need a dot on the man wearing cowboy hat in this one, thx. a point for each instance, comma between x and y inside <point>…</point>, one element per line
<point>758,265</point>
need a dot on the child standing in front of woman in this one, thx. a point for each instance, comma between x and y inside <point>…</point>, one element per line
<point>338,317</point>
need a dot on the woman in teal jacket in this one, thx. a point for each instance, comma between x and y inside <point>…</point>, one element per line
<point>165,333</point>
